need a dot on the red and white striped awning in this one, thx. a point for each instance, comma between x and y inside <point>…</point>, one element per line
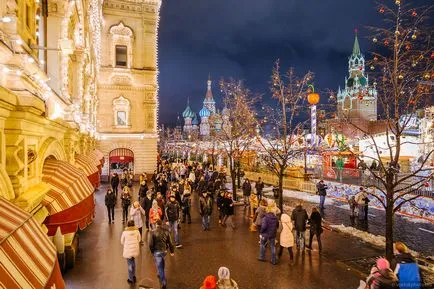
<point>90,168</point>
<point>121,155</point>
<point>70,201</point>
<point>97,155</point>
<point>28,257</point>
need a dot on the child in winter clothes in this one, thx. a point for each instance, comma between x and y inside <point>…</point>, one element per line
<point>254,204</point>
<point>155,214</point>
<point>209,282</point>
<point>382,277</point>
<point>225,281</point>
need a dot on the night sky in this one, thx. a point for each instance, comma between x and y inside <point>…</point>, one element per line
<point>243,38</point>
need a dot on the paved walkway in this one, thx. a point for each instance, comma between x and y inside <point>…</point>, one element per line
<point>416,233</point>
<point>100,263</point>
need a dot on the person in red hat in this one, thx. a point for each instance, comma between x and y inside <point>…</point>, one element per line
<point>210,282</point>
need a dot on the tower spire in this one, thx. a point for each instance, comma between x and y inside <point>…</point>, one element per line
<point>356,47</point>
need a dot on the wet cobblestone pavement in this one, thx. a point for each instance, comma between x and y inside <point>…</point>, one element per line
<point>100,263</point>
<point>417,234</point>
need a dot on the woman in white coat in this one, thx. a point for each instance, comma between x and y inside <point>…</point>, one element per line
<point>286,236</point>
<point>130,240</point>
<point>136,213</point>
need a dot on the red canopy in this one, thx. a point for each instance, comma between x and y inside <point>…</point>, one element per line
<point>70,201</point>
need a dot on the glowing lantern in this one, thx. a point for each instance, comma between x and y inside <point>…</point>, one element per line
<point>414,13</point>
<point>381,10</point>
<point>313,98</point>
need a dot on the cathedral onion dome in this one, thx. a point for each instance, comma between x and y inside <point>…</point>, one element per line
<point>188,113</point>
<point>195,120</point>
<point>204,112</point>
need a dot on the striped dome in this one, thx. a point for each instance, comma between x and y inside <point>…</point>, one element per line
<point>188,113</point>
<point>195,120</point>
<point>204,112</point>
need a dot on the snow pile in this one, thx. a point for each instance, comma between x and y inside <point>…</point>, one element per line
<point>305,197</point>
<point>379,241</point>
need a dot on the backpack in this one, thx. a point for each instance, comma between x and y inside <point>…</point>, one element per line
<point>409,276</point>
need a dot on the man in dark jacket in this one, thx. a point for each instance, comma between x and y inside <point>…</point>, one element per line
<point>146,204</point>
<point>205,210</point>
<point>322,192</point>
<point>299,217</point>
<point>202,186</point>
<point>159,242</point>
<point>247,190</point>
<point>268,234</point>
<point>172,217</point>
<point>259,188</point>
<point>110,202</point>
<point>114,182</point>
<point>315,228</point>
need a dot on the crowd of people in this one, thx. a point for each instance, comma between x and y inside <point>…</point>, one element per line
<point>164,202</point>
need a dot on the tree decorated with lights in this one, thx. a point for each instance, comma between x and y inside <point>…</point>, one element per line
<point>278,124</point>
<point>239,124</point>
<point>402,63</point>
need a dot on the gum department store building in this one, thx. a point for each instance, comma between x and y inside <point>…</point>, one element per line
<point>78,100</point>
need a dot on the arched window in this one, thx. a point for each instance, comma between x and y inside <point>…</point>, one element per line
<point>121,50</point>
<point>121,112</point>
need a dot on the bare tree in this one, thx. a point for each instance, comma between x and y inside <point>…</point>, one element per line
<point>238,124</point>
<point>401,62</point>
<point>278,126</point>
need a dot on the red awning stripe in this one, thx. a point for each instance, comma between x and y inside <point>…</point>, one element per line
<point>121,153</point>
<point>69,186</point>
<point>72,219</point>
<point>87,164</point>
<point>27,256</point>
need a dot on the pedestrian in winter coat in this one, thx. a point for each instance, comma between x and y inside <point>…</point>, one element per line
<point>126,202</point>
<point>160,201</point>
<point>299,217</point>
<point>123,179</point>
<point>286,236</point>
<point>247,190</point>
<point>159,242</point>
<point>315,221</point>
<point>155,214</point>
<point>254,204</point>
<point>146,204</point>
<point>114,182</point>
<point>362,201</point>
<point>202,186</point>
<point>260,213</point>
<point>210,282</point>
<point>382,277</point>
<point>225,281</point>
<point>143,189</point>
<point>322,192</point>
<point>172,214</point>
<point>228,207</point>
<point>268,234</point>
<point>259,186</point>
<point>220,206</point>
<point>406,268</point>
<point>136,213</point>
<point>130,239</point>
<point>186,205</point>
<point>205,210</point>
<point>110,202</point>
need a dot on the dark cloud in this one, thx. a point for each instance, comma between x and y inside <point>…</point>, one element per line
<point>243,38</point>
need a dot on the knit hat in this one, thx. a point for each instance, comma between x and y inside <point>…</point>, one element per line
<point>383,264</point>
<point>209,282</point>
<point>224,273</point>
